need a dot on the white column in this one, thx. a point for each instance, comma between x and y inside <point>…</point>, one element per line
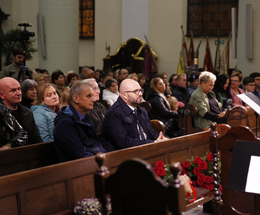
<point>135,19</point>
<point>61,29</point>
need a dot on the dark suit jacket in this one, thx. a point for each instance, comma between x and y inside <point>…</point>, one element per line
<point>119,129</point>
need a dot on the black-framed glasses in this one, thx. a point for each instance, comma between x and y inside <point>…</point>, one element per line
<point>136,91</point>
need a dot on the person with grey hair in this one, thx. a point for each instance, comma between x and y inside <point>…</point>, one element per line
<point>111,94</point>
<point>99,111</point>
<point>29,92</point>
<point>74,132</point>
<point>209,108</point>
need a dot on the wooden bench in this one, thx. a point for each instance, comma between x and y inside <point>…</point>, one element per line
<point>57,188</point>
<point>231,202</point>
<point>27,157</point>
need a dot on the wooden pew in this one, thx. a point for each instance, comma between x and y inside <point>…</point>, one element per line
<point>57,188</point>
<point>39,155</point>
<point>231,202</point>
<point>27,157</point>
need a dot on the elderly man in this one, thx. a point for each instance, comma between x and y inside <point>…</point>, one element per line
<point>11,97</point>
<point>126,124</point>
<point>74,132</point>
<point>99,111</point>
<point>180,90</point>
<point>122,75</point>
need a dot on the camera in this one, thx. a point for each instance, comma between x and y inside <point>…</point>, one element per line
<point>25,35</point>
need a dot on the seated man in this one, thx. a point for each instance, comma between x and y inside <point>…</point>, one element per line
<point>180,90</point>
<point>74,132</point>
<point>99,111</point>
<point>11,97</point>
<point>126,124</point>
<point>11,132</point>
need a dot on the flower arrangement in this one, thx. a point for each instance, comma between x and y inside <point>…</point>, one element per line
<point>200,171</point>
<point>90,206</point>
<point>163,171</point>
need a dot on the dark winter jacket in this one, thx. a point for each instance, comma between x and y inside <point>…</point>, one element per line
<point>74,138</point>
<point>160,109</point>
<point>11,131</point>
<point>24,116</point>
<point>119,129</point>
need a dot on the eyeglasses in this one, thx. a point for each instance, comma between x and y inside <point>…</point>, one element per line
<point>96,88</point>
<point>136,91</point>
<point>234,81</point>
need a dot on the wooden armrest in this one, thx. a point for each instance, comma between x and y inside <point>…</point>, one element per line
<point>237,113</point>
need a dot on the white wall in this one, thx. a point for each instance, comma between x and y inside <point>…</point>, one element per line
<point>108,28</point>
<point>24,11</point>
<point>165,19</point>
<point>248,66</point>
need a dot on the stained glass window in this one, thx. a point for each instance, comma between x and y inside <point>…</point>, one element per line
<point>86,18</point>
<point>210,17</point>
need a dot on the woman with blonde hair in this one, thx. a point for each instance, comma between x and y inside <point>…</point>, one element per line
<point>39,78</point>
<point>161,108</point>
<point>45,110</point>
<point>164,76</point>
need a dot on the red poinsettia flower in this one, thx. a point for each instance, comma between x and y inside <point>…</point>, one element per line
<point>197,171</point>
<point>210,157</point>
<point>197,160</point>
<point>159,164</point>
<point>203,165</point>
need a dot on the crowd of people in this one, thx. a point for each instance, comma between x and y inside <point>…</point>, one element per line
<point>98,111</point>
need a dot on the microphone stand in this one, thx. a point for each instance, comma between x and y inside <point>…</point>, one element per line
<point>194,69</point>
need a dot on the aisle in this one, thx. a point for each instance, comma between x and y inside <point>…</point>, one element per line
<point>198,210</point>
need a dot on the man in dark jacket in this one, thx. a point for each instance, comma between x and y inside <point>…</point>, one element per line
<point>126,124</point>
<point>11,96</point>
<point>74,132</point>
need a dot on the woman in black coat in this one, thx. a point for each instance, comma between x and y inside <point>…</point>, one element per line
<point>161,109</point>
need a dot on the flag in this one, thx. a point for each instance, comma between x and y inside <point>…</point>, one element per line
<point>208,64</point>
<point>197,50</point>
<point>185,54</point>
<point>191,50</point>
<point>224,60</point>
<point>180,68</point>
<point>149,64</point>
<point>217,59</point>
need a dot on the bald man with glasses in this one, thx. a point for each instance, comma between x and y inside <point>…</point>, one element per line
<point>126,124</point>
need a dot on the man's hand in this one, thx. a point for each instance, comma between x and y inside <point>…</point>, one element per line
<point>161,137</point>
<point>4,147</point>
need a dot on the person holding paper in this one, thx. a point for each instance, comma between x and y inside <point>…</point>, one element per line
<point>209,108</point>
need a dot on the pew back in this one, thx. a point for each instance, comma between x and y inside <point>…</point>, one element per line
<point>57,188</point>
<point>234,202</point>
<point>27,157</point>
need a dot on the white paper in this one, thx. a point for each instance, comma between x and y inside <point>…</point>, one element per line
<point>249,102</point>
<point>253,176</point>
